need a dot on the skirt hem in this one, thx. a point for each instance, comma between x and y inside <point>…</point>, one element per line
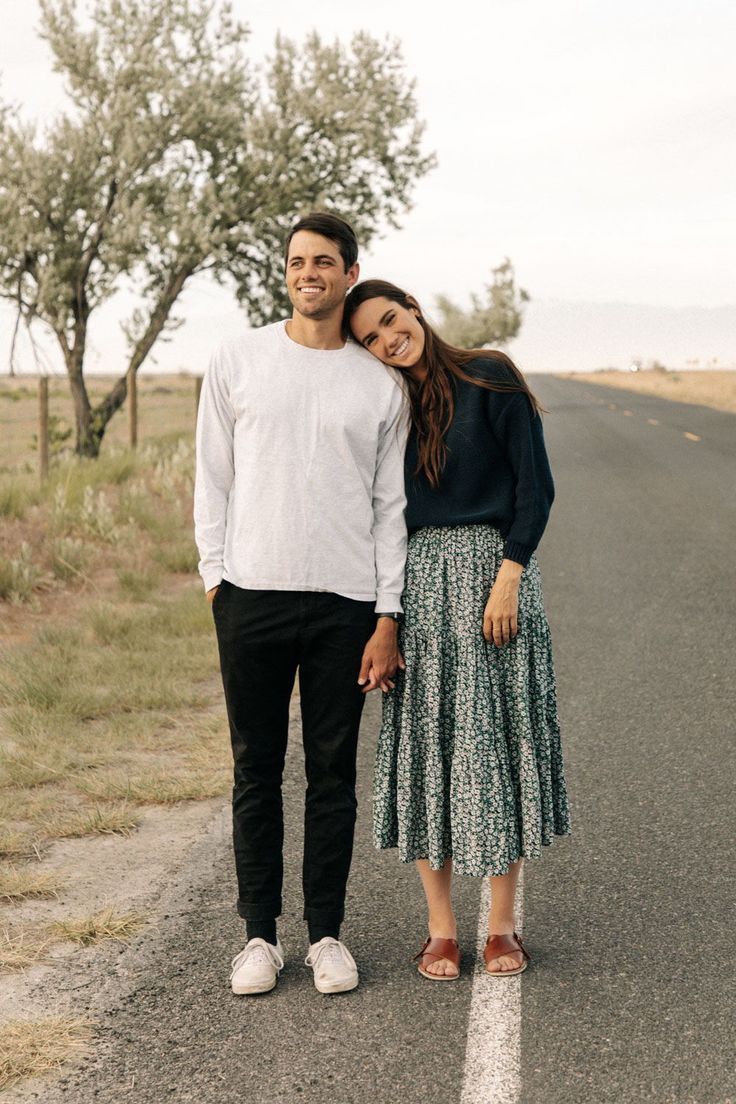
<point>459,869</point>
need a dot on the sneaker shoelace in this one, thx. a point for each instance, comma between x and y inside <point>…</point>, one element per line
<point>333,954</point>
<point>260,956</point>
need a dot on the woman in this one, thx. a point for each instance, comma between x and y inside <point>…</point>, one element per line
<point>469,773</point>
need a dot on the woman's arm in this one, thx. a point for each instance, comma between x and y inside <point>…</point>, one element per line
<point>519,430</point>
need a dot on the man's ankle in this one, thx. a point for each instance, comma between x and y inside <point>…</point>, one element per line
<point>319,931</point>
<point>261,929</point>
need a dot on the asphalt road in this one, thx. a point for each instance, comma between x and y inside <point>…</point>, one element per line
<point>629,920</point>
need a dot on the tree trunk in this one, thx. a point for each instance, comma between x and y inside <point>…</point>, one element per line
<point>91,423</point>
<point>115,398</point>
<point>87,441</point>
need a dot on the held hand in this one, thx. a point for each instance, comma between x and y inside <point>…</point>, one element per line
<point>386,684</point>
<point>500,617</point>
<point>381,658</point>
<point>211,594</point>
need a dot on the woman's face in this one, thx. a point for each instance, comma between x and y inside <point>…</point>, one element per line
<point>389,331</point>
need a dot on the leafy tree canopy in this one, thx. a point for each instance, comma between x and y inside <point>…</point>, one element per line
<point>493,319</point>
<point>178,155</point>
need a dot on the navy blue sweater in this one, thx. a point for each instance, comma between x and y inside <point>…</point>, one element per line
<point>497,472</point>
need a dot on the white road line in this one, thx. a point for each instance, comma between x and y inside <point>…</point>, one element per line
<point>492,1073</point>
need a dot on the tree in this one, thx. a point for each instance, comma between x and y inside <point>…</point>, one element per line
<point>179,156</point>
<point>492,320</point>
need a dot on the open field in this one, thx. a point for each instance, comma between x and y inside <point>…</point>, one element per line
<point>707,388</point>
<point>111,722</point>
<point>166,405</point>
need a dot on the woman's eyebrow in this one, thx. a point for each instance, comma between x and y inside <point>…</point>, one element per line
<point>382,322</point>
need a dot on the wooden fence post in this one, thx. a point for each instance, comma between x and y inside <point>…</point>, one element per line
<point>43,426</point>
<point>133,407</point>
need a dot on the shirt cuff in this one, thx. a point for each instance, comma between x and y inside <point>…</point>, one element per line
<point>388,603</point>
<point>519,553</point>
<point>211,577</point>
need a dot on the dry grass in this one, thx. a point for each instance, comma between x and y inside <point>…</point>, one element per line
<point>105,924</point>
<point>23,947</point>
<point>107,659</point>
<point>160,788</point>
<point>706,388</point>
<point>18,883</point>
<point>14,845</point>
<point>115,819</point>
<point>29,1048</point>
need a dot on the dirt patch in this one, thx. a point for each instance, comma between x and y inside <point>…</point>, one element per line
<point>707,388</point>
<point>130,873</point>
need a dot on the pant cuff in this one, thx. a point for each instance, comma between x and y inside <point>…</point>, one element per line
<point>326,917</point>
<point>264,910</point>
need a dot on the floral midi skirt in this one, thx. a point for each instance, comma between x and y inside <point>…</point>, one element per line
<point>469,764</point>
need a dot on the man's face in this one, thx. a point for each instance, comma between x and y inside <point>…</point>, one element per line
<point>316,279</point>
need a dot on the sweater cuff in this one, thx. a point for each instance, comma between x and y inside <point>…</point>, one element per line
<point>519,553</point>
<point>388,603</point>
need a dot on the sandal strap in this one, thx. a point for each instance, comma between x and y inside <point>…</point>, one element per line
<point>435,948</point>
<point>499,945</point>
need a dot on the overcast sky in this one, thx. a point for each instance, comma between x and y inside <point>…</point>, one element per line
<point>592,143</point>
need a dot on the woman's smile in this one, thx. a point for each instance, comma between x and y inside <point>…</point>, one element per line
<point>397,353</point>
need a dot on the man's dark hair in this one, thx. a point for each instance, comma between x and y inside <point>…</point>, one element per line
<point>334,228</point>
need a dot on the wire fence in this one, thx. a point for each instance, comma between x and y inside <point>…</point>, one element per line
<point>46,421</point>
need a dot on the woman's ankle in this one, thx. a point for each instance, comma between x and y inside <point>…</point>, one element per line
<point>501,925</point>
<point>442,926</point>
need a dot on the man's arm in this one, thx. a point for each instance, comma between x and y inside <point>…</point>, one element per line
<point>389,504</point>
<point>381,656</point>
<point>214,472</point>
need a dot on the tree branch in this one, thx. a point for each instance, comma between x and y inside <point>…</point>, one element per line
<point>116,397</point>
<point>93,248</point>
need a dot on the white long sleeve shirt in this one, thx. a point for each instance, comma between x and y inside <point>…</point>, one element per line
<point>300,473</point>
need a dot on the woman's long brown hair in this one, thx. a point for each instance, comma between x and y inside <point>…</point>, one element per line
<point>432,402</point>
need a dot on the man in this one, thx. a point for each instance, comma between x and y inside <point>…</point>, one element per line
<point>299,520</point>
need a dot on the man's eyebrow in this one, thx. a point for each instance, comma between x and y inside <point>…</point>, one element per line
<point>319,257</point>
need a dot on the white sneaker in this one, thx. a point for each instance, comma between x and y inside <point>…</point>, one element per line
<point>334,966</point>
<point>257,967</point>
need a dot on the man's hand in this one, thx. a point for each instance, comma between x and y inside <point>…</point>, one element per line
<point>381,658</point>
<point>211,594</point>
<point>500,617</point>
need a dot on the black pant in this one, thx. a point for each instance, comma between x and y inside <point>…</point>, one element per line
<point>263,637</point>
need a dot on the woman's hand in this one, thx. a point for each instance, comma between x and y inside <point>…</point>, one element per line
<point>500,617</point>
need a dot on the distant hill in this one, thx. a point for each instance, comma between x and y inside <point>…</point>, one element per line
<point>557,336</point>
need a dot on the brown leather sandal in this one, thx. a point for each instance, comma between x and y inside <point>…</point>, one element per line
<point>499,945</point>
<point>432,951</point>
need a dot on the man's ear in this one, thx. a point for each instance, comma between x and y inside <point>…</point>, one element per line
<point>353,274</point>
